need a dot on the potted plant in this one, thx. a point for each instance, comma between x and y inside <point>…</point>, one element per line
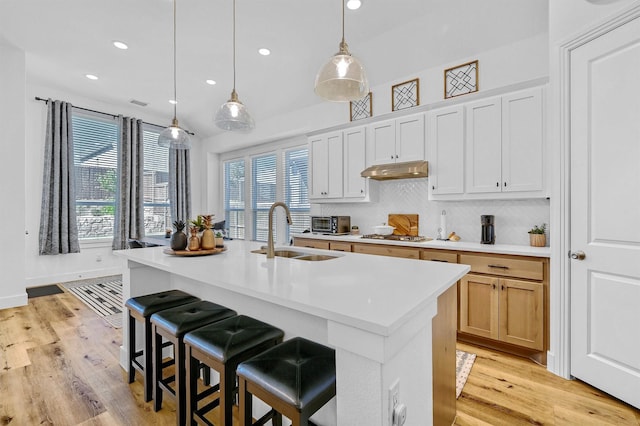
<point>537,236</point>
<point>219,239</point>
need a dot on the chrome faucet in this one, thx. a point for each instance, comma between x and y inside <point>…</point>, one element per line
<point>270,250</point>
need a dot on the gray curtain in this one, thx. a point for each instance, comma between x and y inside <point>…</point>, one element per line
<point>58,225</point>
<point>129,214</point>
<point>179,184</point>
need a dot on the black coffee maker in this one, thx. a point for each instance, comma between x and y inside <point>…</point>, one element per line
<point>488,231</point>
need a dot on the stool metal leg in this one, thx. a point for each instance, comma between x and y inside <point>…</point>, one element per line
<point>132,348</point>
<point>148,361</point>
<point>157,369</point>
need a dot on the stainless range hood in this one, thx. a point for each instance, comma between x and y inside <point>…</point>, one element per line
<point>408,170</point>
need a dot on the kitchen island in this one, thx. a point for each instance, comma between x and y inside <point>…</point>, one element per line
<point>375,312</point>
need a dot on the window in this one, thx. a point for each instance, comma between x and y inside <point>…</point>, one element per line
<point>234,198</point>
<point>95,141</point>
<point>296,189</point>
<point>263,188</point>
<point>95,144</point>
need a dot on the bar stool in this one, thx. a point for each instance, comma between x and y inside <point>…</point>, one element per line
<point>296,378</point>
<point>172,324</point>
<point>222,346</point>
<point>140,309</point>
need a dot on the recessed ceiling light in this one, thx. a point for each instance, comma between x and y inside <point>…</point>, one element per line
<point>354,4</point>
<point>264,51</point>
<point>173,101</point>
<point>91,77</point>
<point>120,45</point>
<point>211,82</point>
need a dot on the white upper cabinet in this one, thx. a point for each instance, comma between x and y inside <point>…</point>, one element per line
<point>398,140</point>
<point>522,141</point>
<point>488,148</point>
<point>355,186</point>
<point>336,160</point>
<point>484,145</point>
<point>326,165</point>
<point>446,150</point>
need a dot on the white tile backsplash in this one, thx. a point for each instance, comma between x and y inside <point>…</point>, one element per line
<point>513,218</point>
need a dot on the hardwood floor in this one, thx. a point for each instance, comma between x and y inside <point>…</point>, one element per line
<point>507,390</point>
<point>59,365</point>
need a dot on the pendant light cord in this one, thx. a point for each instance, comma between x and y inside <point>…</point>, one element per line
<point>343,21</point>
<point>234,45</point>
<point>175,90</point>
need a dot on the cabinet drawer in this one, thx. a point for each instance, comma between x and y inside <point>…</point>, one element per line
<point>504,266</point>
<point>339,246</point>
<point>409,253</point>
<point>439,256</point>
<point>311,243</point>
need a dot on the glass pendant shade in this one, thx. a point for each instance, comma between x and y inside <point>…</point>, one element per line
<point>233,116</point>
<point>174,137</point>
<point>342,79</point>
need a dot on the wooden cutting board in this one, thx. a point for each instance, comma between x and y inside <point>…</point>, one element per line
<point>405,224</point>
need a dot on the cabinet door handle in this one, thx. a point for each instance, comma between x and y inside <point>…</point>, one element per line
<point>438,260</point>
<point>505,184</point>
<point>362,191</point>
<point>433,187</point>
<point>502,287</point>
<point>494,286</point>
<point>498,266</point>
<point>396,155</point>
<point>497,184</point>
<point>392,157</point>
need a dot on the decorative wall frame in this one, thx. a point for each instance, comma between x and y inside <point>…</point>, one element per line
<point>362,108</point>
<point>405,95</point>
<point>461,80</point>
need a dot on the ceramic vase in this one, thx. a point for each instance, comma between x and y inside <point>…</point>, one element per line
<point>194,241</point>
<point>219,242</point>
<point>207,242</point>
<point>178,241</point>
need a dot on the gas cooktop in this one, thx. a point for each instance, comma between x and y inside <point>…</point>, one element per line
<point>413,238</point>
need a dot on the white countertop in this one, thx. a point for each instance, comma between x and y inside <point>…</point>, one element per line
<point>375,293</point>
<point>442,245</point>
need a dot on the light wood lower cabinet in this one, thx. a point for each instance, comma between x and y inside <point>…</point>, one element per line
<point>382,250</point>
<point>339,246</point>
<point>311,243</point>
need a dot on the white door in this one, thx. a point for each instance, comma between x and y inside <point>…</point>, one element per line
<point>383,142</point>
<point>605,212</point>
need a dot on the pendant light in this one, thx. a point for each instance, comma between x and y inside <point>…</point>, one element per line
<point>173,136</point>
<point>342,79</point>
<point>233,115</point>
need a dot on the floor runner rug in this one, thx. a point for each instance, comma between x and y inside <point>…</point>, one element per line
<point>464,362</point>
<point>101,295</point>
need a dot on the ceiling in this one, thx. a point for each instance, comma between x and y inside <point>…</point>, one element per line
<point>66,39</point>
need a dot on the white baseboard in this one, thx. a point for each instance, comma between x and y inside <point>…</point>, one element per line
<point>72,276</point>
<point>20,299</point>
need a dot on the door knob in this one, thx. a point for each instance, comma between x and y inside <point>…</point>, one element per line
<point>577,255</point>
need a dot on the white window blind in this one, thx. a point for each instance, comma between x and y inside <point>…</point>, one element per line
<point>234,180</point>
<point>95,141</point>
<point>296,188</point>
<point>157,212</point>
<point>263,188</point>
<point>95,144</point>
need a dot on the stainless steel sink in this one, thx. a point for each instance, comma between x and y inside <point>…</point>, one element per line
<point>291,254</point>
<point>316,257</point>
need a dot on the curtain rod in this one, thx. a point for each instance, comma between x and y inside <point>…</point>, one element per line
<point>106,113</point>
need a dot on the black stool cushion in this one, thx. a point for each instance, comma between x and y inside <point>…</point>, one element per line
<point>184,318</point>
<point>152,303</point>
<point>230,337</point>
<point>297,371</point>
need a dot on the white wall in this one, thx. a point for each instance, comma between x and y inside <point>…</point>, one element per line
<point>94,260</point>
<point>12,176</point>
